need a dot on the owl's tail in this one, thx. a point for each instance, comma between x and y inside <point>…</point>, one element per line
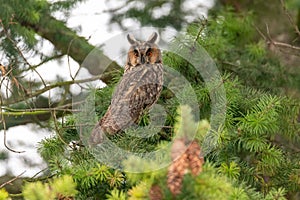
<point>97,136</point>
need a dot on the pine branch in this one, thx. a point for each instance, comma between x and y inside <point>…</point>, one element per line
<point>12,180</point>
<point>49,87</point>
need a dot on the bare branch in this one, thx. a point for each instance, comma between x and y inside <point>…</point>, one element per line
<point>4,130</point>
<point>19,51</point>
<point>5,141</point>
<point>43,170</point>
<point>43,62</point>
<point>37,111</point>
<point>57,129</point>
<point>290,18</point>
<point>69,65</point>
<point>277,44</point>
<point>281,44</point>
<point>49,87</point>
<point>261,34</point>
<point>12,180</point>
<point>203,25</point>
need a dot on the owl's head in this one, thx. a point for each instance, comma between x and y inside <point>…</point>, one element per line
<point>143,52</point>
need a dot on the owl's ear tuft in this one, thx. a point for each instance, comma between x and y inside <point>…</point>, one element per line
<point>153,37</point>
<point>131,39</point>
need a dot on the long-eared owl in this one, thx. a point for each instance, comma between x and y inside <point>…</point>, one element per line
<point>138,89</point>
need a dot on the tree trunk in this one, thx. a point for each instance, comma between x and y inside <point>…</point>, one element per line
<point>68,42</point>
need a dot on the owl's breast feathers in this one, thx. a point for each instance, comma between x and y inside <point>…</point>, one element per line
<point>138,90</point>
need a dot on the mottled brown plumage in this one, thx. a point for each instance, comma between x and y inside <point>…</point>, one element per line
<point>138,89</point>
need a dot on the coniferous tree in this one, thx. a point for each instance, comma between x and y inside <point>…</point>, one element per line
<point>256,156</point>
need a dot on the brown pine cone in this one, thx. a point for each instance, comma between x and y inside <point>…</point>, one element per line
<point>155,193</point>
<point>175,174</point>
<point>178,149</point>
<point>61,197</point>
<point>194,159</point>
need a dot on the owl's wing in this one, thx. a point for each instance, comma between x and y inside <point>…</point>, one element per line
<point>143,98</point>
<point>147,89</point>
<point>137,90</point>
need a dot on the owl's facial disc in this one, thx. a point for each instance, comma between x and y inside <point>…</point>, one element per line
<point>143,52</point>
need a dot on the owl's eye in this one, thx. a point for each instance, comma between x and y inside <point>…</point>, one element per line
<point>149,53</point>
<point>136,53</point>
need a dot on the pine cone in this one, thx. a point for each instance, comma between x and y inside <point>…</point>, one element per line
<point>155,193</point>
<point>175,174</point>
<point>178,149</point>
<point>61,197</point>
<point>183,158</point>
<point>194,160</point>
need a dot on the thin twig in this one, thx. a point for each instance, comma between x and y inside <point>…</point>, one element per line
<point>14,80</point>
<point>5,77</point>
<point>281,44</point>
<point>39,173</point>
<point>68,57</point>
<point>58,130</point>
<point>59,108</point>
<point>5,143</point>
<point>4,130</point>
<point>42,62</point>
<point>261,34</point>
<point>268,33</point>
<point>20,52</point>
<point>113,10</point>
<point>12,180</point>
<point>290,18</point>
<point>35,111</point>
<point>204,24</point>
<point>269,40</point>
<point>41,178</point>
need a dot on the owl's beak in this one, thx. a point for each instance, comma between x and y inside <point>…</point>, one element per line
<point>142,59</point>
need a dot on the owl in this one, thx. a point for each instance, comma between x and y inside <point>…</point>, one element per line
<point>138,89</point>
